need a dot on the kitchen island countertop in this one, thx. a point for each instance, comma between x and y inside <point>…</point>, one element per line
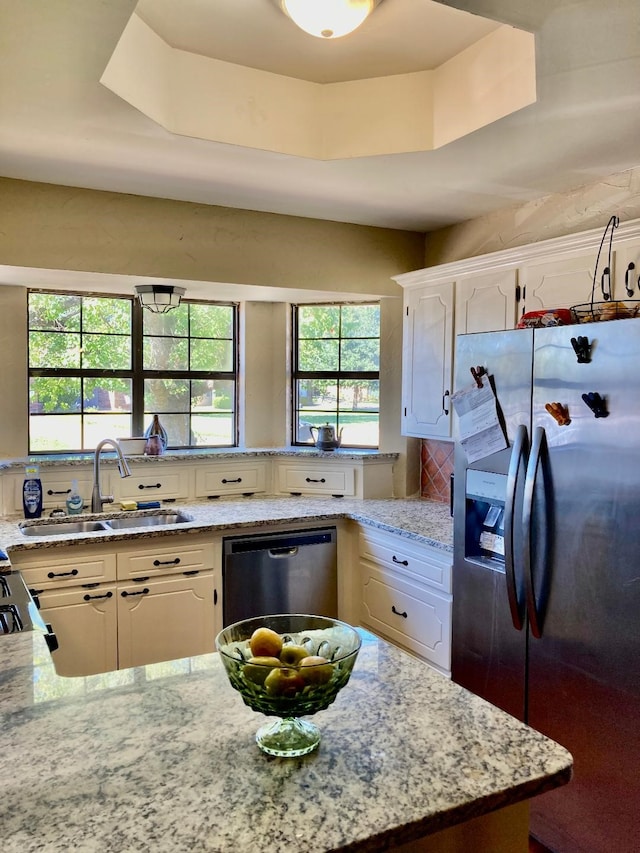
<point>163,758</point>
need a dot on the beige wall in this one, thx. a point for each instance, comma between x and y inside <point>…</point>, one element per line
<point>13,372</point>
<point>55,227</point>
<point>584,208</point>
<point>50,227</point>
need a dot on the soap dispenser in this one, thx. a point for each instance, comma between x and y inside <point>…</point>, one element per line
<point>75,504</point>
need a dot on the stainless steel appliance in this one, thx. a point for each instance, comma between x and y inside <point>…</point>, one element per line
<point>19,609</point>
<point>280,573</point>
<point>546,579</point>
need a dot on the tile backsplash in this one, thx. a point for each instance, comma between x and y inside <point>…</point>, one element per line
<point>436,467</point>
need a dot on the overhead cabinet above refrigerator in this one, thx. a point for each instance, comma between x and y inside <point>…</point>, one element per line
<point>546,597</point>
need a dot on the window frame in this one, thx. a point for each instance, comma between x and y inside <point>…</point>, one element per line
<point>297,374</point>
<point>137,374</point>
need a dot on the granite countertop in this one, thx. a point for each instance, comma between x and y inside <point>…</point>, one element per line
<point>421,520</point>
<point>108,457</point>
<point>163,758</point>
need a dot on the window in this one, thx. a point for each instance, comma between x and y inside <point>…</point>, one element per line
<point>101,366</point>
<point>336,372</point>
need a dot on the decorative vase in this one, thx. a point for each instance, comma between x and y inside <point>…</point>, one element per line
<point>157,438</point>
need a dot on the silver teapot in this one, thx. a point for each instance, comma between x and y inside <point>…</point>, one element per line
<point>326,437</point>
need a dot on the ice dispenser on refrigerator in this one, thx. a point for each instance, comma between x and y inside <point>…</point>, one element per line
<point>485,494</point>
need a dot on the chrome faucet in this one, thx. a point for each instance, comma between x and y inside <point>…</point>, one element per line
<point>98,499</point>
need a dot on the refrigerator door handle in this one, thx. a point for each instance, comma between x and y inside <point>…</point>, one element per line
<point>537,444</point>
<point>516,601</point>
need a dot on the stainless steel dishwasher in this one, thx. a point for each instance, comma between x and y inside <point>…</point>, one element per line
<point>294,572</point>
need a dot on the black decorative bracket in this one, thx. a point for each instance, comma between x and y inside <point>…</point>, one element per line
<point>582,349</point>
<point>478,373</point>
<point>596,403</point>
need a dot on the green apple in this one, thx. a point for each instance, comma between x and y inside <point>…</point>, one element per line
<point>258,668</point>
<point>284,681</point>
<point>265,643</point>
<point>291,655</point>
<point>315,669</point>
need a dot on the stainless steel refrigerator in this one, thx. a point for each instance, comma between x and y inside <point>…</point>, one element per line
<point>546,579</point>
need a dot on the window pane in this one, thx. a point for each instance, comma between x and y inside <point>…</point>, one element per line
<point>166,395</point>
<point>100,314</point>
<point>319,321</point>
<point>165,354</point>
<point>174,323</point>
<point>360,394</point>
<point>98,426</point>
<point>318,355</point>
<point>211,395</point>
<point>49,394</point>
<point>54,312</point>
<point>106,352</point>
<point>213,429</point>
<point>360,355</point>
<point>55,433</point>
<point>211,355</point>
<point>359,430</point>
<point>211,321</point>
<point>107,395</point>
<point>54,349</point>
<point>360,321</point>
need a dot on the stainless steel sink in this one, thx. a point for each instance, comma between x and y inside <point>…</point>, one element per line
<point>62,528</point>
<point>129,521</point>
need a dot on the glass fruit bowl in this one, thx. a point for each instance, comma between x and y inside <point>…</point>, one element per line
<point>288,666</point>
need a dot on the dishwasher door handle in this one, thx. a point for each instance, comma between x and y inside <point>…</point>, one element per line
<point>289,551</point>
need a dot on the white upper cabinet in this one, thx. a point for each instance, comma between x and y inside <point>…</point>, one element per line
<point>486,302</point>
<point>558,283</point>
<point>427,362</point>
<point>490,293</point>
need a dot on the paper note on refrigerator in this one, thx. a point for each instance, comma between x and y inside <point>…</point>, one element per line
<point>480,431</point>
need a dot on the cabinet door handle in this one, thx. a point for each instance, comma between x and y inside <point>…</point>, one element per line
<point>59,492</point>
<point>72,573</point>
<point>225,481</point>
<point>144,591</point>
<point>311,480</point>
<point>397,612</point>
<point>400,562</point>
<point>175,562</point>
<point>191,573</point>
<point>153,486</point>
<point>140,580</point>
<point>91,597</point>
<point>444,405</point>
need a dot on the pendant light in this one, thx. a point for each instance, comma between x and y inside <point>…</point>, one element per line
<point>159,298</point>
<point>328,19</point>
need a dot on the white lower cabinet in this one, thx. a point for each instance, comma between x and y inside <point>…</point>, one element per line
<point>84,621</point>
<point>406,594</point>
<point>129,603</point>
<point>165,618</point>
<point>316,479</point>
<point>232,478</point>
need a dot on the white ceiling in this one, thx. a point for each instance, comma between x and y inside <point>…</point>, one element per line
<point>58,124</point>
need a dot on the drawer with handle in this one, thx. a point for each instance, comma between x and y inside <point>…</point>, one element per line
<point>236,479</point>
<point>420,561</point>
<point>163,560</point>
<point>159,485</point>
<point>68,570</point>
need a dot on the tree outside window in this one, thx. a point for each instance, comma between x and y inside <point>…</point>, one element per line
<point>336,371</point>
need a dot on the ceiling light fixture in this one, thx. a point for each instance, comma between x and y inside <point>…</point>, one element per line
<point>159,298</point>
<point>328,19</point>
